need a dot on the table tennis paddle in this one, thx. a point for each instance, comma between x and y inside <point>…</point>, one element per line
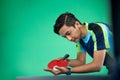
<point>61,63</point>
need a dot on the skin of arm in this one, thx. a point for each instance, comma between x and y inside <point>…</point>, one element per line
<point>80,60</point>
<point>94,66</point>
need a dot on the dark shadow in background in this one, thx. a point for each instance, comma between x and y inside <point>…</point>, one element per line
<point>116,31</point>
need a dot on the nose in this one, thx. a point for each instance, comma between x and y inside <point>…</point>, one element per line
<point>69,38</point>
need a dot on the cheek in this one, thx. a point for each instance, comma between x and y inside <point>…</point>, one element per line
<point>75,34</point>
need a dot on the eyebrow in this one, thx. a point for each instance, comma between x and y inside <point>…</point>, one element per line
<point>66,34</point>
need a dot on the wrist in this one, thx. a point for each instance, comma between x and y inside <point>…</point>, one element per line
<point>69,71</point>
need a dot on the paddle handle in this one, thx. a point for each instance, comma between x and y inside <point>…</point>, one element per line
<point>65,57</point>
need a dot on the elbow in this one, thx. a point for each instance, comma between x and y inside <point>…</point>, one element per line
<point>98,68</point>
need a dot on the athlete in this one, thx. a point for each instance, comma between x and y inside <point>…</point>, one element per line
<point>96,39</point>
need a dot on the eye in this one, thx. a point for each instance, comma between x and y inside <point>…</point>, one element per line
<point>68,33</point>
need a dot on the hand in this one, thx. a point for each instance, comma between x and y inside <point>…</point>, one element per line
<point>60,70</point>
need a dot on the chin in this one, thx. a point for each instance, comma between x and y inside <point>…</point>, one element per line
<point>75,40</point>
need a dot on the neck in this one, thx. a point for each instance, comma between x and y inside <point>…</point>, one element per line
<point>84,31</point>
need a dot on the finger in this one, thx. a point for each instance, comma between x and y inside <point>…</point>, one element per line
<point>62,69</point>
<point>47,69</point>
<point>59,68</point>
<point>50,70</point>
<point>57,72</point>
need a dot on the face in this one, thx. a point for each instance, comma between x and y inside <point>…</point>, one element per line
<point>71,33</point>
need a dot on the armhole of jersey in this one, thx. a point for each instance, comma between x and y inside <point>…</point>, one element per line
<point>79,48</point>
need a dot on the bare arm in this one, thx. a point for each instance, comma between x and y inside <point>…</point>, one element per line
<point>80,60</point>
<point>95,65</point>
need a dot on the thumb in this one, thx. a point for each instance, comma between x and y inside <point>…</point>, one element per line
<point>62,69</point>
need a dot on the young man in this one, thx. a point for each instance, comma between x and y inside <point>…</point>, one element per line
<point>92,38</point>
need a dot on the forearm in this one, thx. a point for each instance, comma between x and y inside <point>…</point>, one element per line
<point>91,67</point>
<point>75,62</point>
<point>94,66</point>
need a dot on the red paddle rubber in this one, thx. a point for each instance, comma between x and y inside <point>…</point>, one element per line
<point>60,63</point>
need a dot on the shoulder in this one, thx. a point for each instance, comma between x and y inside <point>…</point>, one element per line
<point>99,27</point>
<point>94,26</point>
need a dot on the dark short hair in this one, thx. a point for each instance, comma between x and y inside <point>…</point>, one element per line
<point>66,18</point>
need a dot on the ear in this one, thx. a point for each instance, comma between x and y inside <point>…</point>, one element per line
<point>76,26</point>
<point>77,23</point>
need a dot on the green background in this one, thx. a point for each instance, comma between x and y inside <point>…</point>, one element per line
<point>27,39</point>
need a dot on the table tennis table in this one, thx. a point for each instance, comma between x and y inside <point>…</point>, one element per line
<point>74,77</point>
